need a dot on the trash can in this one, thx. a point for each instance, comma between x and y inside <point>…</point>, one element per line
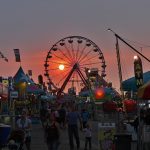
<point>4,133</point>
<point>122,141</point>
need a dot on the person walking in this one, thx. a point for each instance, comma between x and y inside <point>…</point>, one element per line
<point>43,116</point>
<point>62,116</point>
<point>52,133</point>
<point>88,137</point>
<point>72,118</point>
<point>24,123</point>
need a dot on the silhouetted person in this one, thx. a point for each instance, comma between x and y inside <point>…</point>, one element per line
<point>72,120</point>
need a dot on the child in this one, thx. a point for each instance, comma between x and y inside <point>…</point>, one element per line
<point>88,136</point>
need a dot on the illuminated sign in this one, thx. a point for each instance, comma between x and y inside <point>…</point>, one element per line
<point>14,94</point>
<point>138,71</point>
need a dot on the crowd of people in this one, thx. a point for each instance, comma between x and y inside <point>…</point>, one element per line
<point>69,118</point>
<point>62,117</point>
<point>55,118</point>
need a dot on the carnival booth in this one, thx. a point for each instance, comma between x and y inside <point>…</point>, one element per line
<point>105,100</point>
<point>144,96</point>
<point>106,94</point>
<point>129,84</point>
<point>28,91</point>
<point>21,81</point>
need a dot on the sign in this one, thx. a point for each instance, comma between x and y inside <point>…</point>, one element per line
<point>106,133</point>
<point>138,71</point>
<point>14,94</point>
<point>5,82</point>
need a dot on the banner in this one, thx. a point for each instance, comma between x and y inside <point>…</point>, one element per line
<point>106,132</point>
<point>138,71</point>
<point>17,55</point>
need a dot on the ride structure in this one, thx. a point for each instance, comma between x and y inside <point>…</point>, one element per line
<point>69,61</point>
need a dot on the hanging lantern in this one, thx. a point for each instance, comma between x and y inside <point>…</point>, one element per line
<point>129,105</point>
<point>99,93</point>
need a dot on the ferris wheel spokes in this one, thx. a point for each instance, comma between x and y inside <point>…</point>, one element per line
<point>74,54</point>
<point>88,59</point>
<point>90,51</point>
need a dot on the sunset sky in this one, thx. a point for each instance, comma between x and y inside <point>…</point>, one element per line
<point>33,26</point>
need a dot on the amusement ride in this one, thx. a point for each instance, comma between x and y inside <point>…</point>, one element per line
<point>70,63</point>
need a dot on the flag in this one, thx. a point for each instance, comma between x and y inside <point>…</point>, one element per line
<point>30,72</point>
<point>17,55</point>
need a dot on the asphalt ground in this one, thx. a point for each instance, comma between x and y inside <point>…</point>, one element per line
<point>38,142</point>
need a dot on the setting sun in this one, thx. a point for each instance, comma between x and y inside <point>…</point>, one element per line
<point>61,67</point>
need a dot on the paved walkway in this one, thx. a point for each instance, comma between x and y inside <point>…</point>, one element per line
<point>39,144</point>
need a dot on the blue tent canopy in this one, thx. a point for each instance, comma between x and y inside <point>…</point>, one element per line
<point>130,84</point>
<point>31,88</point>
<point>20,76</point>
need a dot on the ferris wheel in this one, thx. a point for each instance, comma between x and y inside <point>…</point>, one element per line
<point>67,61</point>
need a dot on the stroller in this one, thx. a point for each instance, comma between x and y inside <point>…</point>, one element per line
<point>16,140</point>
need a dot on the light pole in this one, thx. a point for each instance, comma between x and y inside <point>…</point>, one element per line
<point>138,70</point>
<point>118,62</point>
<point>138,61</point>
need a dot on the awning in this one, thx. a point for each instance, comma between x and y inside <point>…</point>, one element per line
<point>34,89</point>
<point>130,84</point>
<point>47,97</point>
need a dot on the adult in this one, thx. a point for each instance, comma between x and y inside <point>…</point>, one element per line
<point>62,116</point>
<point>52,133</point>
<point>72,118</point>
<point>43,116</point>
<point>24,123</point>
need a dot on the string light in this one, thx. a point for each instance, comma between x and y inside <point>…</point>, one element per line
<point>2,56</point>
